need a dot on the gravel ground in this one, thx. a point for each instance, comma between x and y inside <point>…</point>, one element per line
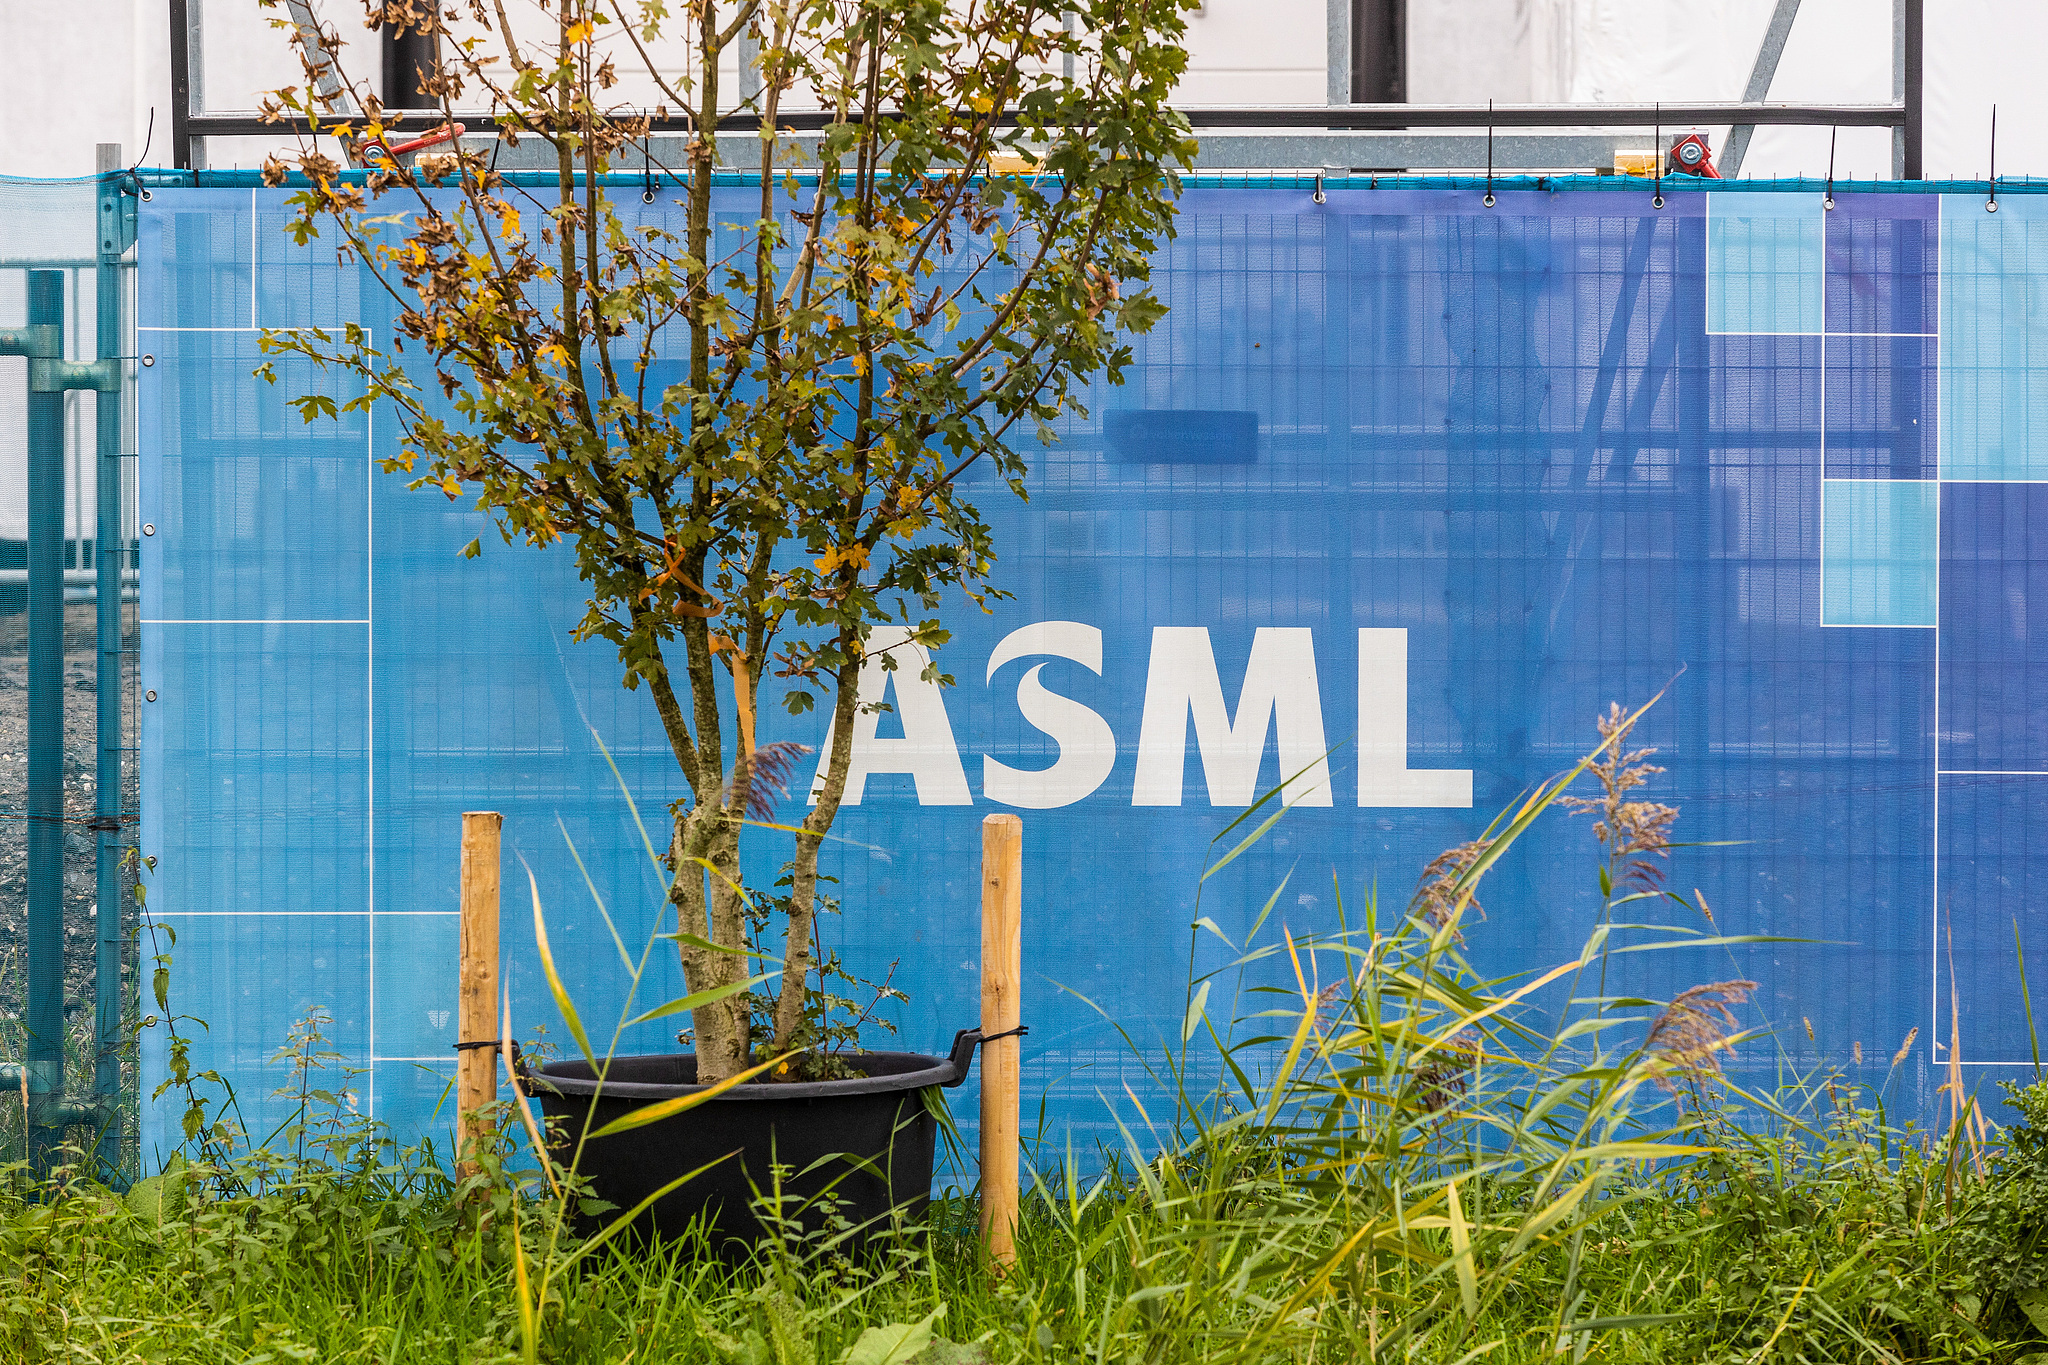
<point>80,766</point>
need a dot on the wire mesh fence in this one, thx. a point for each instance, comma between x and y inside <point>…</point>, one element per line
<point>67,443</point>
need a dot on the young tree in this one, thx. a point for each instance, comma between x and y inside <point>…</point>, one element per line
<point>927,280</point>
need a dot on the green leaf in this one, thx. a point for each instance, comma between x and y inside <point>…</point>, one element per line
<point>698,999</point>
<point>159,1198</point>
<point>699,941</point>
<point>473,549</point>
<point>1461,1251</point>
<point>895,1343</point>
<point>1196,1007</point>
<point>1248,839</point>
<point>1629,1320</point>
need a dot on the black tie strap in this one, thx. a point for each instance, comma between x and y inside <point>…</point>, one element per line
<point>1017,1032</point>
<point>472,1046</point>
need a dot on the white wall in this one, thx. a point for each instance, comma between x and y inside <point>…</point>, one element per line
<point>1470,51</point>
<point>98,66</point>
<point>1257,52</point>
<point>1978,52</point>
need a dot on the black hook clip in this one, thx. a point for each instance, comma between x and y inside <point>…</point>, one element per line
<point>1657,155</point>
<point>1991,204</point>
<point>1488,200</point>
<point>647,169</point>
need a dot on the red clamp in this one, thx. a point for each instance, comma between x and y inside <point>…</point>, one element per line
<point>1691,155</point>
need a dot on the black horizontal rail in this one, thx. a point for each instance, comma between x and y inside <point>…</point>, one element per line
<point>1347,117</point>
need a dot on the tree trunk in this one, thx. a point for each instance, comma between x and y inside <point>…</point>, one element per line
<point>803,893</point>
<point>708,907</point>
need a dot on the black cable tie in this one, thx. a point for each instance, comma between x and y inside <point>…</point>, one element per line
<point>473,1046</point>
<point>1827,193</point>
<point>1017,1032</point>
<point>1991,203</point>
<point>1657,156</point>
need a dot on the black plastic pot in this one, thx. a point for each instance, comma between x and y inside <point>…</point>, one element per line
<point>866,1140</point>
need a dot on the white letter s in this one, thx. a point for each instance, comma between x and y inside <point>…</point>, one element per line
<point>1087,746</point>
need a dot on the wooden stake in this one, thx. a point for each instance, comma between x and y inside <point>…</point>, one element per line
<point>1002,970</point>
<point>476,1068</point>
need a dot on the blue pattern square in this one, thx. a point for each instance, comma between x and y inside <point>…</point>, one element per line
<point>1766,261</point>
<point>1994,327</point>
<point>1879,396</point>
<point>1879,548</point>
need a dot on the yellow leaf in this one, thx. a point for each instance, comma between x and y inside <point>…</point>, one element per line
<point>577,33</point>
<point>829,562</point>
<point>980,104</point>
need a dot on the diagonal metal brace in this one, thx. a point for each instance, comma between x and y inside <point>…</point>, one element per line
<point>1760,76</point>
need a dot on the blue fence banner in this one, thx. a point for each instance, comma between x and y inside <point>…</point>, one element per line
<point>1400,495</point>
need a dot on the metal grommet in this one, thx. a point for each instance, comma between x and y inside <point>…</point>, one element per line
<point>1828,202</point>
<point>149,528</point>
<point>146,195</point>
<point>1488,200</point>
<point>647,196</point>
<point>148,361</point>
<point>1658,202</point>
<point>149,695</point>
<point>1991,206</point>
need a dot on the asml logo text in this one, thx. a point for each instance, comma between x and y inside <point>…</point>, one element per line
<point>1279,695</point>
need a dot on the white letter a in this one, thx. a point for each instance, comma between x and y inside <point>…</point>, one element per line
<point>926,751</point>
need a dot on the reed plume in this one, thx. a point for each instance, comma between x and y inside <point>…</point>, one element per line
<point>1632,832</point>
<point>1692,1032</point>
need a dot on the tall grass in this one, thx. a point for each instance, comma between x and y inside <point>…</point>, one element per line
<point>1403,1160</point>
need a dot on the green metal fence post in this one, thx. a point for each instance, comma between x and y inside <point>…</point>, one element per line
<point>45,1051</point>
<point>109,548</point>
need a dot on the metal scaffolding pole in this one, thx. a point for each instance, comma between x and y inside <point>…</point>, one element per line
<point>45,1050</point>
<point>50,375</point>
<point>109,543</point>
